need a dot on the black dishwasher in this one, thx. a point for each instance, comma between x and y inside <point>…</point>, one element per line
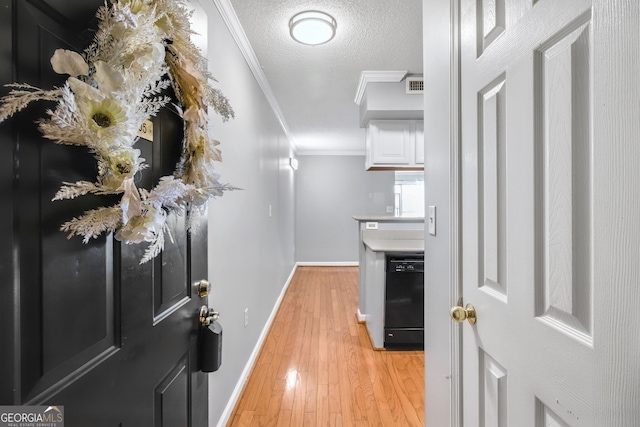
<point>404,301</point>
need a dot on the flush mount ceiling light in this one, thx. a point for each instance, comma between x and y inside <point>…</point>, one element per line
<point>312,27</point>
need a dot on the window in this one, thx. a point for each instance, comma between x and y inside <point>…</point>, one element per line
<point>409,193</point>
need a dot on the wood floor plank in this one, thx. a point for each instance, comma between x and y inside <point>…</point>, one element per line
<point>309,419</point>
<point>257,421</point>
<point>268,386</point>
<point>305,350</point>
<point>339,320</point>
<point>323,354</point>
<point>322,405</point>
<point>335,420</point>
<point>317,366</point>
<point>352,358</point>
<point>346,394</point>
<point>388,402</point>
<point>312,369</point>
<point>335,407</point>
<point>245,419</point>
<point>407,407</point>
<point>412,383</point>
<point>284,419</point>
<point>297,415</point>
<point>253,390</point>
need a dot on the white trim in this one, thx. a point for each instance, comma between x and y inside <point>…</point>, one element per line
<point>443,373</point>
<point>327,264</point>
<point>361,317</point>
<point>330,153</point>
<point>455,211</point>
<point>376,77</point>
<point>237,391</point>
<point>233,24</point>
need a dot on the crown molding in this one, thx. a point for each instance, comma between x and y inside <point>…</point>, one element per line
<point>237,32</point>
<point>367,77</point>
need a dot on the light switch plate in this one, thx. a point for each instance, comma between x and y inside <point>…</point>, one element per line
<point>432,220</point>
<point>372,226</point>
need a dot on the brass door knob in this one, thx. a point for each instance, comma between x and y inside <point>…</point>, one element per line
<point>460,314</point>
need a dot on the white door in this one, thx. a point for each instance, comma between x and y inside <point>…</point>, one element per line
<point>548,107</point>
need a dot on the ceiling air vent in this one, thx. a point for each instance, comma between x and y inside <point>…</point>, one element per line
<point>415,85</point>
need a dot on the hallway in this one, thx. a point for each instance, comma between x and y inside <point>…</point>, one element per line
<point>317,366</point>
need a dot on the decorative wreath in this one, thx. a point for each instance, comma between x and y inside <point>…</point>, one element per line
<point>141,47</point>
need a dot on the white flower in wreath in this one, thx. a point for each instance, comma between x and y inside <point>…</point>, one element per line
<point>121,165</point>
<point>145,227</point>
<point>136,6</point>
<point>108,120</point>
<point>147,58</point>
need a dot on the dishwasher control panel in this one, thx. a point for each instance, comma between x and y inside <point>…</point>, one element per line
<point>405,263</point>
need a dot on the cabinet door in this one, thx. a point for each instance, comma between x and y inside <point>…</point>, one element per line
<point>419,141</point>
<point>391,142</point>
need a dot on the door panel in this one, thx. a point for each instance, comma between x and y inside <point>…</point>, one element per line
<point>561,73</point>
<point>172,290</point>
<point>56,345</point>
<point>493,392</point>
<point>545,417</point>
<point>171,396</point>
<point>491,188</point>
<point>91,329</point>
<point>526,212</point>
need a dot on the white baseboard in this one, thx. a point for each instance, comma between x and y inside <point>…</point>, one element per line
<point>228,410</point>
<point>361,317</point>
<point>327,263</point>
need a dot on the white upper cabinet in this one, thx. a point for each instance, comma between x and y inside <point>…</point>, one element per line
<point>392,110</point>
<point>390,142</point>
<point>395,144</point>
<point>419,142</point>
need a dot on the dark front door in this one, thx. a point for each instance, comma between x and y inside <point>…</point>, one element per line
<point>86,326</point>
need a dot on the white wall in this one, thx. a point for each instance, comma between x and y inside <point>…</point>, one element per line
<point>250,252</point>
<point>330,190</point>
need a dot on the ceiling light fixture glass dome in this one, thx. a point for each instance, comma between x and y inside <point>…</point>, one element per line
<point>312,27</point>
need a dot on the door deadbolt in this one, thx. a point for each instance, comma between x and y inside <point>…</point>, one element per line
<point>203,287</point>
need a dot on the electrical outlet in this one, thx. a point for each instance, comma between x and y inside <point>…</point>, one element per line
<point>246,317</point>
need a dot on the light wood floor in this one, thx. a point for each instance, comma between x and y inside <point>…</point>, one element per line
<point>317,366</point>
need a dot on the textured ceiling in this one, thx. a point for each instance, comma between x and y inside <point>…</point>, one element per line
<point>315,86</point>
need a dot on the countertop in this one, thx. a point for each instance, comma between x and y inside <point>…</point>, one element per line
<point>394,240</point>
<point>382,218</point>
<point>392,245</point>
